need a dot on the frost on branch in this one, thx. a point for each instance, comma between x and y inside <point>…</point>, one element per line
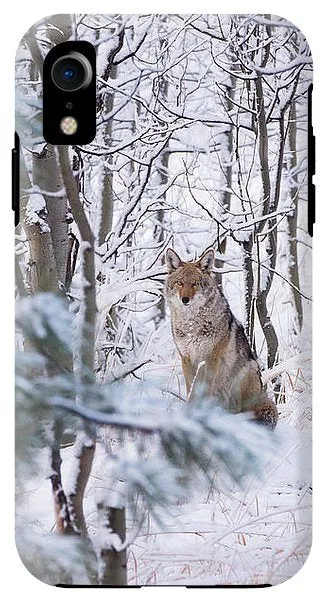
<point>201,436</point>
<point>47,325</point>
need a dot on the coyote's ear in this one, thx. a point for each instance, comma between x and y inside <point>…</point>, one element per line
<point>172,260</point>
<point>206,260</point>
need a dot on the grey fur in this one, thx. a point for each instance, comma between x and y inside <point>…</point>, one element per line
<point>206,331</point>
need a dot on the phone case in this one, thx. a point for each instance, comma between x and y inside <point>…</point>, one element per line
<point>163,285</point>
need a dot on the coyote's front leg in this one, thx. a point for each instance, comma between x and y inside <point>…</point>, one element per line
<point>189,372</point>
<point>195,378</point>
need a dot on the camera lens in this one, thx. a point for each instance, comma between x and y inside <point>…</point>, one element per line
<point>71,72</point>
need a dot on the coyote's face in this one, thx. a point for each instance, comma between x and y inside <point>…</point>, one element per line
<point>188,283</point>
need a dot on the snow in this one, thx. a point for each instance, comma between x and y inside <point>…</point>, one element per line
<point>44,313</point>
<point>259,534</point>
<point>36,212</point>
<point>175,105</point>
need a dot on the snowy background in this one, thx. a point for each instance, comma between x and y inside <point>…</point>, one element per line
<point>202,141</point>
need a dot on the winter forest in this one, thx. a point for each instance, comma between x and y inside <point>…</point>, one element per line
<point>201,143</point>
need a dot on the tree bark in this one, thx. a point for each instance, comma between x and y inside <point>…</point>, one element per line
<point>262,295</point>
<point>113,561</point>
<point>106,102</point>
<point>47,175</point>
<point>85,450</point>
<point>228,173</point>
<point>88,302</point>
<point>292,219</point>
<point>249,295</point>
<point>44,278</point>
<point>158,233</point>
<point>42,268</point>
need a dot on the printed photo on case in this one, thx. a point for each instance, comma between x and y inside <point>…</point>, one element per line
<point>163,307</point>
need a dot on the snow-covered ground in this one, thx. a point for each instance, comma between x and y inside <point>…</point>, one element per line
<point>255,535</point>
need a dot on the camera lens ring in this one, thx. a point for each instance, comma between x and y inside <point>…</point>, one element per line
<point>71,72</point>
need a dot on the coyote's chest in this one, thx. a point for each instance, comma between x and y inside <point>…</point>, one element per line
<point>195,335</point>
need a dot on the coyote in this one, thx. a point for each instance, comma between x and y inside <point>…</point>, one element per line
<point>214,350</point>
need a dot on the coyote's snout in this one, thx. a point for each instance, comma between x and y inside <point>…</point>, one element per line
<point>214,350</point>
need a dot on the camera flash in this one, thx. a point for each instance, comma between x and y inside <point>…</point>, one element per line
<point>68,125</point>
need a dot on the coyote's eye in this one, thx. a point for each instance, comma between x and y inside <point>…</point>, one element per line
<point>179,283</point>
<point>195,284</point>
